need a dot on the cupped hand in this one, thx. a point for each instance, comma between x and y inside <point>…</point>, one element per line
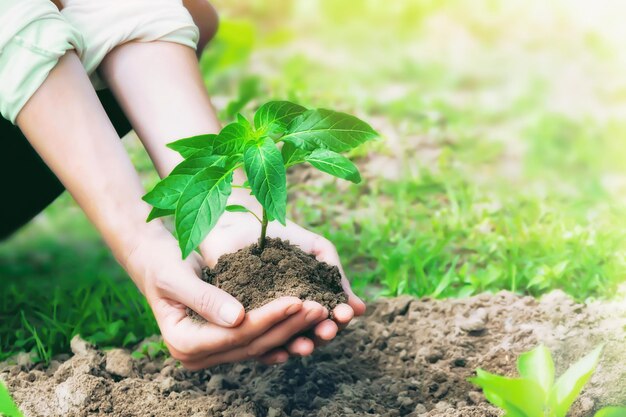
<point>236,230</point>
<point>230,335</point>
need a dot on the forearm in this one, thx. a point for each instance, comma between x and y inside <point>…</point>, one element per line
<point>165,103</point>
<point>180,107</point>
<point>67,126</point>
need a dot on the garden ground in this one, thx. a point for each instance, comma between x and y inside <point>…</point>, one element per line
<point>407,356</point>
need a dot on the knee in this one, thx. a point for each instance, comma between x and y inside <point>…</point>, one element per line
<point>205,17</point>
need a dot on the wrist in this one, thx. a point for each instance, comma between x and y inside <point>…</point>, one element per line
<point>131,248</point>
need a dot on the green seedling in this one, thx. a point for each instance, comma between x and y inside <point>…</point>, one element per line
<point>283,134</point>
<point>7,405</point>
<point>535,393</point>
<point>612,412</point>
<point>150,349</point>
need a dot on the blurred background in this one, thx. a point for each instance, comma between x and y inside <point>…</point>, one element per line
<point>502,163</point>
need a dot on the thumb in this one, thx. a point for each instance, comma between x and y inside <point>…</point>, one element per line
<point>213,304</point>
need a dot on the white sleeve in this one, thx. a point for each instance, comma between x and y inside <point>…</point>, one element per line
<point>33,36</point>
<point>107,24</point>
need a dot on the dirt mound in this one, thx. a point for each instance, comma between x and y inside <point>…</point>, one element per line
<point>406,357</point>
<point>282,269</point>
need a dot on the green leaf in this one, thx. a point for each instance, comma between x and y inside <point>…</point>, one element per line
<point>537,365</point>
<point>278,113</point>
<point>158,212</point>
<point>519,397</point>
<point>236,208</point>
<point>197,162</point>
<point>264,167</point>
<point>200,205</point>
<point>241,119</point>
<point>232,139</point>
<point>322,128</point>
<point>292,155</point>
<point>612,412</point>
<point>165,194</point>
<point>334,164</point>
<point>571,383</point>
<point>188,146</point>
<point>7,405</point>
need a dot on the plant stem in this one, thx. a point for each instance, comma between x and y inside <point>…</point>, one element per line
<point>255,216</point>
<point>263,231</point>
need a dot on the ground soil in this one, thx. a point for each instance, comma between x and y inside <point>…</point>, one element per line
<point>256,277</point>
<point>405,357</point>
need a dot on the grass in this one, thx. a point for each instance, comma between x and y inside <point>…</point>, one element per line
<point>437,235</point>
<point>501,165</point>
<point>60,280</point>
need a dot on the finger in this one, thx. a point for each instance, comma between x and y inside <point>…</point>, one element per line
<point>342,314</point>
<point>324,333</point>
<point>213,304</point>
<point>196,340</point>
<point>301,346</point>
<point>231,356</point>
<point>358,306</point>
<point>276,337</point>
<point>311,314</point>
<point>274,357</point>
<point>326,330</point>
<point>325,251</point>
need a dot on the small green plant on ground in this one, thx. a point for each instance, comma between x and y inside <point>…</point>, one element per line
<point>197,190</point>
<point>7,405</point>
<point>535,393</point>
<point>150,349</point>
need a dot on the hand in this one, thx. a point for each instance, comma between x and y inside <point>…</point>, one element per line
<point>235,231</point>
<point>171,284</point>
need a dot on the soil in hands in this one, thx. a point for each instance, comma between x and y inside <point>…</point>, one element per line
<point>405,357</point>
<point>257,277</point>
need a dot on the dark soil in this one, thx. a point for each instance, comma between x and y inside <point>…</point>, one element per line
<point>281,269</point>
<point>405,357</point>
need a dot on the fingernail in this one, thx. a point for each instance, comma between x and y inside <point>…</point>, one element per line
<point>294,308</point>
<point>312,315</point>
<point>229,312</point>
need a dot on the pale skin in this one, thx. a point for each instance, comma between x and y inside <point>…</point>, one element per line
<point>80,145</point>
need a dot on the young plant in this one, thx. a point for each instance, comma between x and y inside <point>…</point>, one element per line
<point>7,405</point>
<point>150,349</point>
<point>535,393</point>
<point>197,190</point>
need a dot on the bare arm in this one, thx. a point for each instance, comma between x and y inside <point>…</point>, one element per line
<point>67,126</point>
